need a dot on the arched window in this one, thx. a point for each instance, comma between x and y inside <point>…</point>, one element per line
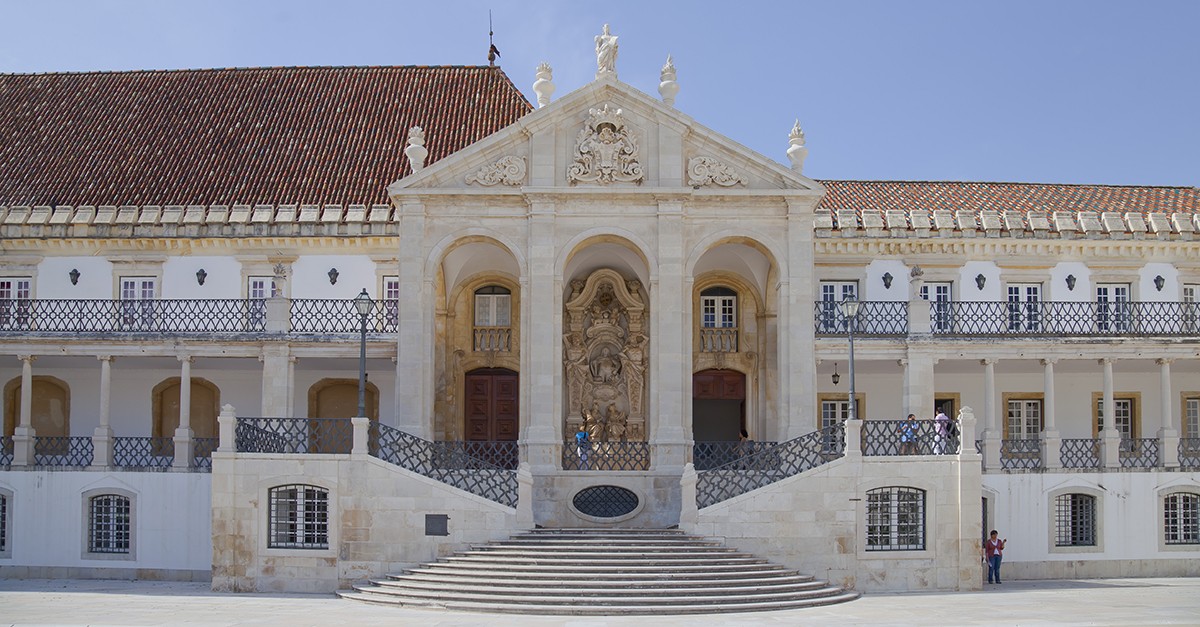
<point>110,527</point>
<point>718,308</point>
<point>1181,518</point>
<point>895,519</point>
<point>1074,520</point>
<point>298,517</point>
<point>493,317</point>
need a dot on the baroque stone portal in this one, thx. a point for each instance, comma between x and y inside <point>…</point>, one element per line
<point>604,358</point>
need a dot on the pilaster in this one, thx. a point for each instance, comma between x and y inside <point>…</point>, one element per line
<point>919,384</point>
<point>541,410</point>
<point>414,380</point>
<point>670,357</point>
<point>798,379</point>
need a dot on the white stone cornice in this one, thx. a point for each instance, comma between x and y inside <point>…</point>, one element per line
<point>984,248</point>
<point>150,244</point>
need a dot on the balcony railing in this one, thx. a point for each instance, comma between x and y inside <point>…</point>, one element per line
<point>493,339</point>
<point>894,437</point>
<point>293,435</point>
<point>6,450</point>
<point>1023,453</point>
<point>1139,452</point>
<point>1189,452</point>
<point>74,451</point>
<point>875,318</point>
<point>142,452</point>
<point>718,339</point>
<point>1081,452</point>
<point>606,456</point>
<point>1079,319</point>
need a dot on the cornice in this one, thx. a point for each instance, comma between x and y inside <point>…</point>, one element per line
<point>995,248</point>
<point>83,245</point>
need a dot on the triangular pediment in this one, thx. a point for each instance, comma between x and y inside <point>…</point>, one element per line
<point>605,136</point>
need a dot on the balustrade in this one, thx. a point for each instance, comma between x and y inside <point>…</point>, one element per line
<point>718,340</point>
<point>874,318</point>
<point>606,456</point>
<point>493,339</point>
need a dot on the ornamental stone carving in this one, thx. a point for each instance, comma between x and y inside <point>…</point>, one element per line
<point>509,170</point>
<point>707,170</point>
<point>605,150</point>
<point>606,53</point>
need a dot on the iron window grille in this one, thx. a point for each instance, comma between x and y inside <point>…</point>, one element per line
<point>1075,520</point>
<point>3,523</point>
<point>298,518</point>
<point>109,525</point>
<point>896,519</point>
<point>1181,518</point>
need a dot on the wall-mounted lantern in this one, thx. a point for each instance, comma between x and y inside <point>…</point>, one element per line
<point>333,275</point>
<point>836,377</point>
<point>887,280</point>
<point>1071,282</point>
<point>74,274</point>
<point>980,280</point>
<point>201,275</point>
<point>1159,282</point>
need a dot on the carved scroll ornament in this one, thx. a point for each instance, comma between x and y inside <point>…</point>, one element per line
<point>706,170</point>
<point>509,170</point>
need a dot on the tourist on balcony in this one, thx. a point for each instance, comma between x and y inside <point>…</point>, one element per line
<point>941,433</point>
<point>583,446</point>
<point>908,435</point>
<point>993,550</point>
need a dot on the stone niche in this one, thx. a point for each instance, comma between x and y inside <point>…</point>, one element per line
<point>604,357</point>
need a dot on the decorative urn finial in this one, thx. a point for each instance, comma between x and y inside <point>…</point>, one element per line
<point>416,151</point>
<point>606,53</point>
<point>668,88</point>
<point>544,85</point>
<point>796,152</point>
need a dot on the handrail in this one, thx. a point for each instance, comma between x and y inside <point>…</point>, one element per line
<point>769,464</point>
<point>447,462</point>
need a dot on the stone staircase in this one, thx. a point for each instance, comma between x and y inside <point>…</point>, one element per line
<point>602,572</point>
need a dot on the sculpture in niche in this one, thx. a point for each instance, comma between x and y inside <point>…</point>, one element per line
<point>706,170</point>
<point>604,357</point>
<point>605,151</point>
<point>606,53</point>
<point>508,170</point>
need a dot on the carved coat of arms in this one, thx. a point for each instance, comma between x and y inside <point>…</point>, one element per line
<point>605,150</point>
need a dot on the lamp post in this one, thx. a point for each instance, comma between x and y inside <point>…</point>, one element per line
<point>849,309</point>
<point>363,304</point>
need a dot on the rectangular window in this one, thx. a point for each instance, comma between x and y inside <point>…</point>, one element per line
<point>258,289</point>
<point>109,528</point>
<point>718,311</point>
<point>391,301</point>
<point>832,293</point>
<point>1024,307</point>
<point>1191,308</point>
<point>14,302</point>
<point>938,293</point>
<point>492,310</point>
<point>1191,418</point>
<point>137,302</point>
<point>1024,419</point>
<point>1181,518</point>
<point>1112,308</point>
<point>1075,520</point>
<point>896,519</point>
<point>298,518</point>
<point>833,414</point>
<point>1122,416</point>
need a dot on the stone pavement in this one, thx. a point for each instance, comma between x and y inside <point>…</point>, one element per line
<point>1091,602</point>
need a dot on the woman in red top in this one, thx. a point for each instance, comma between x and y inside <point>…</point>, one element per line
<point>993,550</point>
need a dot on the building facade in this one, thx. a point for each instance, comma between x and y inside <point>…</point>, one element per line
<point>564,317</point>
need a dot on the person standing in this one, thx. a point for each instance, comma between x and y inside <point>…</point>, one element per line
<point>941,433</point>
<point>583,446</point>
<point>908,435</point>
<point>993,551</point>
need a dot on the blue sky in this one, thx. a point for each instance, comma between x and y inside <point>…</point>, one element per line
<point>1049,91</point>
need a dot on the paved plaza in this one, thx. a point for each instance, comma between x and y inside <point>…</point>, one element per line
<point>1093,602</point>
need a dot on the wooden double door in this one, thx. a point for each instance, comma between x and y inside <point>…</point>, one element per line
<point>491,405</point>
<point>718,405</point>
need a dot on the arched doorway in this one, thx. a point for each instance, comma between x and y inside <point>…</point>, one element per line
<point>490,411</point>
<point>718,405</point>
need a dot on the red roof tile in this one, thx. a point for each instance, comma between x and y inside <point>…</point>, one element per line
<point>320,135</point>
<point>914,197</point>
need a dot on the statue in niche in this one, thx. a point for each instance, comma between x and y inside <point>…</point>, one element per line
<point>633,365</point>
<point>578,372</point>
<point>617,423</point>
<point>606,52</point>
<point>593,422</point>
<point>605,368</point>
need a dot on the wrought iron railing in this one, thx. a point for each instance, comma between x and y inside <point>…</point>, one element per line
<point>1139,452</point>
<point>1024,453</point>
<point>62,451</point>
<point>1189,452</point>
<point>143,452</point>
<point>897,437</point>
<point>430,459</point>
<point>493,339</point>
<point>1080,452</point>
<point>206,315</point>
<point>6,450</point>
<point>294,435</point>
<point>466,454</point>
<point>764,467</point>
<point>718,339</point>
<point>606,456</point>
<point>875,318</point>
<point>1048,318</point>
<point>706,455</point>
<point>202,450</point>
<point>327,315</point>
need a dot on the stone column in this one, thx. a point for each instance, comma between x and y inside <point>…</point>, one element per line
<point>993,434</point>
<point>1168,435</point>
<point>183,435</point>
<point>277,383</point>
<point>1051,438</point>
<point>670,358</point>
<point>23,433</point>
<point>1112,437</point>
<point>969,475</point>
<point>414,333</point>
<point>797,365</point>
<point>541,409</point>
<point>102,437</point>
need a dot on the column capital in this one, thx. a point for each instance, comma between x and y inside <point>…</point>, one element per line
<point>108,358</point>
<point>27,358</point>
<point>1164,361</point>
<point>902,362</point>
<point>1049,361</point>
<point>185,358</point>
<point>990,361</point>
<point>293,359</point>
<point>1105,361</point>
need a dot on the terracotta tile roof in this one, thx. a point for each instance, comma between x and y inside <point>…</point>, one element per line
<point>319,135</point>
<point>914,197</point>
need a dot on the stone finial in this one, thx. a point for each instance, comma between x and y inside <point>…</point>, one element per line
<point>544,85</point>
<point>796,152</point>
<point>606,53</point>
<point>416,151</point>
<point>668,88</point>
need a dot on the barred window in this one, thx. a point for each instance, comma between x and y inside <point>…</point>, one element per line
<point>298,518</point>
<point>109,525</point>
<point>3,522</point>
<point>1074,520</point>
<point>896,519</point>
<point>1181,518</point>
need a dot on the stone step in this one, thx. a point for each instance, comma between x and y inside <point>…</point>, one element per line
<point>606,598</point>
<point>615,580</point>
<point>601,559</point>
<point>557,574</point>
<point>568,567</point>
<point>589,588</point>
